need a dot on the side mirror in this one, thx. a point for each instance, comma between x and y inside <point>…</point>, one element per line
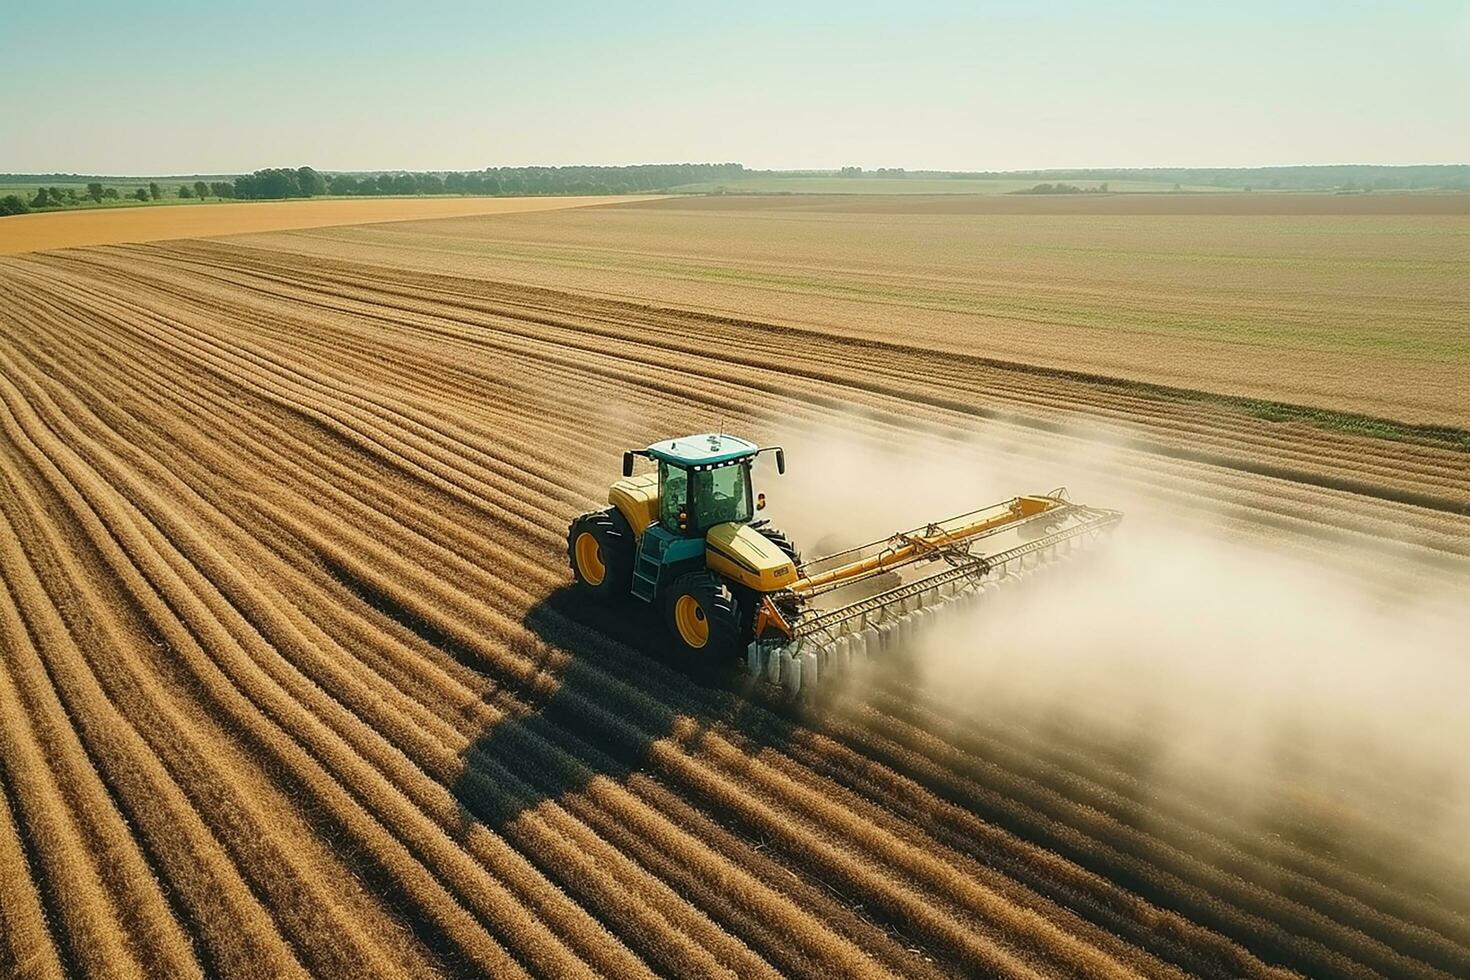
<point>760,501</point>
<point>780,461</point>
<point>627,464</point>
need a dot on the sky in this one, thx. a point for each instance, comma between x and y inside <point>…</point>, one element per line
<point>159,87</point>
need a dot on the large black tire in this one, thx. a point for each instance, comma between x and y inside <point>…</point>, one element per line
<point>703,618</point>
<point>600,549</point>
<point>779,539</point>
<point>747,601</point>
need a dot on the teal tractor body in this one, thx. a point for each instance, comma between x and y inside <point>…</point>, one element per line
<point>685,536</point>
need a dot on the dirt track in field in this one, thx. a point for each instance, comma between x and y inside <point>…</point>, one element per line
<point>292,683</point>
<point>110,226</point>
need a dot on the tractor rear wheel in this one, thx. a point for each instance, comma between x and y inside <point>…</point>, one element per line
<point>702,617</point>
<point>600,548</point>
<point>780,540</point>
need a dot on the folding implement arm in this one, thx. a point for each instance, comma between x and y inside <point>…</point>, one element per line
<point>858,597</point>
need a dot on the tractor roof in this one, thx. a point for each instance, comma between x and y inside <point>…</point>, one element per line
<point>702,450</point>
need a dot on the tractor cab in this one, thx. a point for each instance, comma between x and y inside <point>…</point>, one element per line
<point>698,483</point>
<point>703,481</point>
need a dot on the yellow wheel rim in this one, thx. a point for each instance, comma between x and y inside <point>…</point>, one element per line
<point>589,559</point>
<point>690,619</point>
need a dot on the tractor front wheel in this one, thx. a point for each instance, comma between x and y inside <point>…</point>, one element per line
<point>702,617</point>
<point>600,548</point>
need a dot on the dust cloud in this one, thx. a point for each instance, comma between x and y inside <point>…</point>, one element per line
<point>1209,667</point>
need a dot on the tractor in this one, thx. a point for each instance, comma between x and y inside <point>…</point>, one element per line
<point>685,536</point>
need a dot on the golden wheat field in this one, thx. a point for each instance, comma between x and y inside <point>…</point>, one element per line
<point>108,226</point>
<point>292,681</point>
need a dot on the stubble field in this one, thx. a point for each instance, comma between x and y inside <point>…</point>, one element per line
<point>292,681</point>
<point>1356,303</point>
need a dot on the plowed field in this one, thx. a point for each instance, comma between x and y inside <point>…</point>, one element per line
<point>293,683</point>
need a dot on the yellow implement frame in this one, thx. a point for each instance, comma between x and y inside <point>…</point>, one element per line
<point>928,541</point>
<point>827,618</point>
<point>1041,519</point>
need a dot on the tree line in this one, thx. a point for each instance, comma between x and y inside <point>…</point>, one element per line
<point>51,198</point>
<point>283,182</point>
<point>277,183</point>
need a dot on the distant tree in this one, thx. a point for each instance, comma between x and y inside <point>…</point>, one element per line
<point>201,189</point>
<point>430,184</point>
<point>454,183</point>
<point>287,183</point>
<point>1052,189</point>
<point>269,184</point>
<point>71,195</point>
<point>309,182</point>
<point>94,191</point>
<point>10,204</point>
<point>41,199</point>
<point>110,193</point>
<point>186,192</point>
<point>141,193</point>
<point>222,188</point>
<point>154,191</point>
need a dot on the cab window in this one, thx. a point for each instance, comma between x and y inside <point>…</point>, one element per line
<point>673,494</point>
<point>722,494</point>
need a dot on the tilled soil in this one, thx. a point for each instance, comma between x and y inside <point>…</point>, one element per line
<point>292,681</point>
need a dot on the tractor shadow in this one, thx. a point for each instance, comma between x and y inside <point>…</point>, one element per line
<point>589,728</point>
